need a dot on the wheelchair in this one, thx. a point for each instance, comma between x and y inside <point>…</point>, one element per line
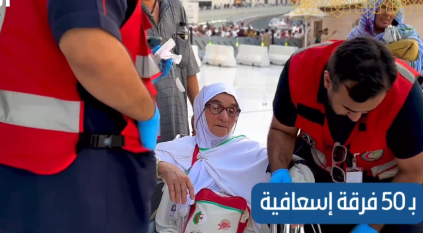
<point>157,197</point>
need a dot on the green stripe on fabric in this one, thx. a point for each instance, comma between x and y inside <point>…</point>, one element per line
<point>224,142</point>
<point>221,206</point>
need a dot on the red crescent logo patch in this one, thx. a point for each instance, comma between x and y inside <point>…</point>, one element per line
<point>370,156</point>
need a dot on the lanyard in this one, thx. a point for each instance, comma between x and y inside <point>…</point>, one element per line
<point>194,158</point>
<point>195,154</point>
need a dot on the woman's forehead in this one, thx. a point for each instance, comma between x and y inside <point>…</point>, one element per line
<point>225,98</point>
<point>389,3</point>
<point>392,4</point>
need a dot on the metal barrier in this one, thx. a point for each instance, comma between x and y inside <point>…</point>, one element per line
<point>201,42</point>
<point>210,15</point>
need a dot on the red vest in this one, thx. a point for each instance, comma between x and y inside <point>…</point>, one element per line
<point>368,138</point>
<point>41,111</point>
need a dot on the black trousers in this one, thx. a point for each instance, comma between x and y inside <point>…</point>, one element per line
<point>103,191</point>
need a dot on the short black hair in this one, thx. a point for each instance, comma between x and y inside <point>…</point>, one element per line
<point>366,62</point>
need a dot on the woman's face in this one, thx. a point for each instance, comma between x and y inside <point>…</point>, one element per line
<point>221,114</point>
<point>385,15</point>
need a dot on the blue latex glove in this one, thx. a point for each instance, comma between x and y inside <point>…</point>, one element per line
<point>154,51</point>
<point>165,66</point>
<point>149,130</point>
<point>363,228</point>
<point>281,176</point>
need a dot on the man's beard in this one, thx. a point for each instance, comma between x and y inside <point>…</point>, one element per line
<point>330,105</point>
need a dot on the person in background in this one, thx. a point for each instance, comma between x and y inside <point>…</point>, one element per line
<point>266,38</point>
<point>308,35</point>
<point>195,31</point>
<point>234,32</point>
<point>296,29</point>
<point>213,31</point>
<point>258,35</point>
<point>71,159</point>
<point>325,35</point>
<point>289,34</point>
<point>318,37</point>
<point>250,32</point>
<point>219,32</point>
<point>241,33</point>
<point>299,34</point>
<point>380,17</point>
<point>200,29</point>
<point>208,32</point>
<point>225,32</point>
<point>165,16</point>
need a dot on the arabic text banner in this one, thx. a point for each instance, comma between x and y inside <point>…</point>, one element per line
<point>332,203</point>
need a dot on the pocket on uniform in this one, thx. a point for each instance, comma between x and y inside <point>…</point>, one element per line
<point>182,48</point>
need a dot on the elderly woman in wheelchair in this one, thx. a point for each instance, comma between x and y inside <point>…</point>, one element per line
<point>209,177</point>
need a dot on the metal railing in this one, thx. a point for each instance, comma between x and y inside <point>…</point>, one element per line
<point>221,14</point>
<point>203,41</point>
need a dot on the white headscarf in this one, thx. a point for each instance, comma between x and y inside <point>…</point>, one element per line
<point>205,138</point>
<point>232,168</point>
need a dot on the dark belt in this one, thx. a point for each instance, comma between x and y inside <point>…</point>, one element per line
<point>101,141</point>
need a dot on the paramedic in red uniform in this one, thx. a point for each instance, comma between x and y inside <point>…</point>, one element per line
<point>350,100</point>
<point>77,123</point>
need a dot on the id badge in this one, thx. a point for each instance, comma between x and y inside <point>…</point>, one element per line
<point>354,174</point>
<point>171,211</point>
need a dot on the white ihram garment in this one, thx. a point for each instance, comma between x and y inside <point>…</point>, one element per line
<point>232,168</point>
<point>225,164</point>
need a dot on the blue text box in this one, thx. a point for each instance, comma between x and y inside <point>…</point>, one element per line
<point>332,203</point>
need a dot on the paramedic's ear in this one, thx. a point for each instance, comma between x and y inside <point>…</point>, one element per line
<point>326,79</point>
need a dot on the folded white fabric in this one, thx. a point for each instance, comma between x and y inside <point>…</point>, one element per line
<point>391,34</point>
<point>300,173</point>
<point>164,52</point>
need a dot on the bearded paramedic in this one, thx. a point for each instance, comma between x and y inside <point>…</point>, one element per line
<point>356,106</point>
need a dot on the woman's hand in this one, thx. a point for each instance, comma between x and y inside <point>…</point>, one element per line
<point>178,182</point>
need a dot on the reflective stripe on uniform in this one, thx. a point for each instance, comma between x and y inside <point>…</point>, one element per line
<point>383,171</point>
<point>40,112</point>
<point>147,66</point>
<point>406,73</point>
<point>320,159</point>
<point>379,170</point>
<point>2,14</point>
<point>388,173</point>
